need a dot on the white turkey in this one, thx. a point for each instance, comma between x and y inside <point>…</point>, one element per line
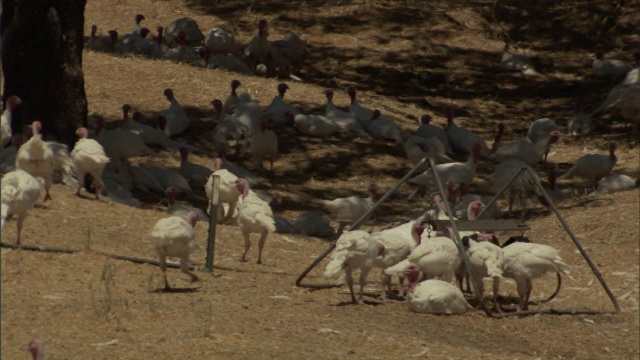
<point>416,148</point>
<point>459,173</point>
<point>288,52</point>
<point>119,144</point>
<point>228,191</point>
<point>196,174</point>
<point>516,62</point>
<point>398,243</point>
<point>580,124</point>
<point>526,151</point>
<point>346,121</point>
<point>361,113</point>
<point>426,130</point>
<point>593,167</point>
<point>142,45</point>
<point>383,128</point>
<point>263,144</point>
<point>229,62</point>
<point>312,125</point>
<point>258,50</point>
<point>177,119</point>
<point>159,48</point>
<point>434,296</point>
<point>220,41</point>
<point>5,122</point>
<point>36,157</point>
<point>228,132</point>
<point>349,209</point>
<point>20,190</point>
<point>278,108</point>
<point>100,43</point>
<point>435,256</point>
<point>540,128</point>
<point>354,250</point>
<point>609,68</point>
<point>462,139</point>
<point>523,186</point>
<point>486,260</point>
<point>615,183</point>
<point>63,172</point>
<point>313,223</point>
<point>193,36</point>
<point>183,53</point>
<point>234,99</point>
<point>461,206</point>
<point>155,135</point>
<point>254,216</point>
<point>138,19</point>
<point>88,158</point>
<point>525,261</point>
<point>174,237</point>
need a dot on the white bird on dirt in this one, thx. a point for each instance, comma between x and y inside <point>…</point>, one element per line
<point>529,152</point>
<point>383,128</point>
<point>434,296</point>
<point>36,348</point>
<point>416,148</point>
<point>254,216</point>
<point>153,135</point>
<point>398,242</point>
<point>36,157</point>
<point>540,128</point>
<point>436,256</point>
<point>361,113</point>
<point>349,209</point>
<point>522,187</point>
<point>229,131</point>
<point>426,130</point>
<point>233,100</point>
<point>459,173</point>
<point>312,125</point>
<point>462,139</point>
<point>258,50</point>
<point>177,119</point>
<point>278,108</point>
<point>174,237</point>
<point>593,167</point>
<point>228,191</point>
<point>182,53</point>
<point>486,260</point>
<point>313,223</point>
<point>610,68</point>
<point>119,144</point>
<point>5,121</point>
<point>580,124</point>
<point>616,183</point>
<point>20,190</point>
<point>63,172</point>
<point>346,121</point>
<point>525,261</point>
<point>196,174</point>
<point>263,144</point>
<point>354,250</point>
<point>88,158</point>
<point>516,62</point>
<point>221,41</point>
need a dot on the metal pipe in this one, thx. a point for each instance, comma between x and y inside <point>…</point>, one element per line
<point>353,226</point>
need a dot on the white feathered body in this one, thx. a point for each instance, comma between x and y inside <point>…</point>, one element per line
<point>428,131</point>
<point>20,190</point>
<point>89,158</point>
<point>531,260</point>
<point>173,236</point>
<point>437,297</point>
<point>177,119</point>
<point>346,121</point>
<point>36,157</point>
<point>315,125</point>
<point>277,109</point>
<point>540,129</point>
<point>615,183</point>
<point>436,256</point>
<point>255,215</point>
<point>348,209</point>
<point>354,250</point>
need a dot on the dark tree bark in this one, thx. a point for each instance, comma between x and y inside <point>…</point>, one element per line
<point>42,42</point>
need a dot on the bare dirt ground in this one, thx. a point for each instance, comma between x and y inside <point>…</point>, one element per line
<point>407,58</point>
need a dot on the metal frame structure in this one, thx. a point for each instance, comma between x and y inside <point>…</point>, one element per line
<point>458,242</point>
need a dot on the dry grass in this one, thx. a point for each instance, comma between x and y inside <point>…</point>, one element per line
<point>88,306</point>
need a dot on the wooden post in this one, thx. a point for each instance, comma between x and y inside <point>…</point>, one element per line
<point>213,221</point>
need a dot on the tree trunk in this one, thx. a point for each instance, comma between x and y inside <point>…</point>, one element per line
<point>42,42</point>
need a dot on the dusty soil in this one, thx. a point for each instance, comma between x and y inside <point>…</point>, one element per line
<point>406,58</point>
